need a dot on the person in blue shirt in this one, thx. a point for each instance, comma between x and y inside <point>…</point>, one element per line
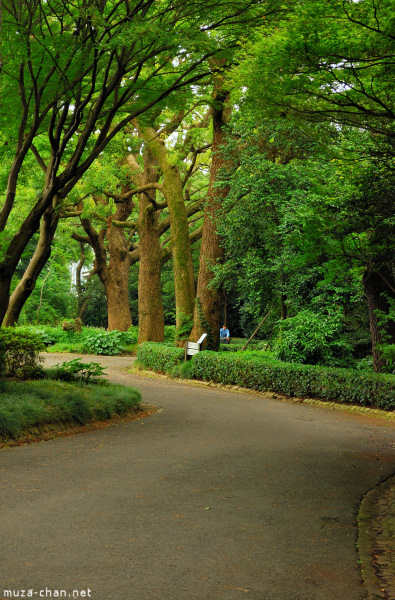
<point>224,336</point>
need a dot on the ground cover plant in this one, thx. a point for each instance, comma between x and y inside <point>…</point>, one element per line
<point>30,406</point>
<point>33,398</point>
<point>76,370</point>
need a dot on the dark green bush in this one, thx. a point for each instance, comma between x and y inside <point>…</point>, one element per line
<point>170,333</point>
<point>388,353</point>
<point>314,339</point>
<point>22,350</point>
<point>159,357</point>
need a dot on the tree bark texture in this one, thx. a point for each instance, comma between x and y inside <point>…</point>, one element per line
<point>114,275</point>
<point>25,287</point>
<point>150,306</point>
<point>208,304</point>
<point>378,285</point>
<point>117,281</point>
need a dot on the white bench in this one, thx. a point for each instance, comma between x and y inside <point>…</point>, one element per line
<point>192,348</point>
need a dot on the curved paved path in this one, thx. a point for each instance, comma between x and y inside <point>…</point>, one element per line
<point>219,496</point>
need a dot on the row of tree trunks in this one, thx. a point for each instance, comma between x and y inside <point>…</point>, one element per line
<point>114,273</point>
<point>180,242</point>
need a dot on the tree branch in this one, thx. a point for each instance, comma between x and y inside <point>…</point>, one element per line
<point>38,157</point>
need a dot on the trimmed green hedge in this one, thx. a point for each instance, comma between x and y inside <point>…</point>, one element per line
<point>159,357</point>
<point>333,384</point>
<point>326,383</point>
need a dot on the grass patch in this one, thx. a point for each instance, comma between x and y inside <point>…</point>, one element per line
<point>32,405</point>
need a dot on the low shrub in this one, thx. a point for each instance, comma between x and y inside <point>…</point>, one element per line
<point>90,340</point>
<point>232,347</point>
<point>256,372</point>
<point>75,370</point>
<point>103,342</point>
<point>21,349</point>
<point>159,357</point>
<point>182,370</point>
<point>34,404</point>
<point>48,335</point>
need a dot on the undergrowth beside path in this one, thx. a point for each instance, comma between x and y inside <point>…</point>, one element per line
<point>31,406</point>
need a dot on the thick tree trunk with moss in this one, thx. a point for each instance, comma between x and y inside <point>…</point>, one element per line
<point>117,281</point>
<point>180,241</point>
<point>208,304</point>
<point>117,285</point>
<point>114,275</point>
<point>42,253</point>
<point>150,306</point>
<point>378,286</point>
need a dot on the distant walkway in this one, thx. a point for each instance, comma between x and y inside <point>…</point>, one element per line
<point>219,496</point>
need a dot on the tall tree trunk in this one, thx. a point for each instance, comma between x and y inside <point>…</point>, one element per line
<point>150,306</point>
<point>25,287</point>
<point>378,286</point>
<point>184,283</point>
<point>208,306</point>
<point>114,275</point>
<point>117,281</point>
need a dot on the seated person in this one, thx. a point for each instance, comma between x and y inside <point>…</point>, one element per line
<point>224,336</point>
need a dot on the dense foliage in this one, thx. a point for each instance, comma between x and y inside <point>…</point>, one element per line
<point>313,338</point>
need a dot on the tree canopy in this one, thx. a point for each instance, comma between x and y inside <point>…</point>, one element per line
<point>331,61</point>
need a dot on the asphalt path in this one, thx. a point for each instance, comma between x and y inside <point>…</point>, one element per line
<point>220,495</point>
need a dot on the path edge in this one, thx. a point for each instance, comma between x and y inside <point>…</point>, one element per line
<point>376,540</point>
